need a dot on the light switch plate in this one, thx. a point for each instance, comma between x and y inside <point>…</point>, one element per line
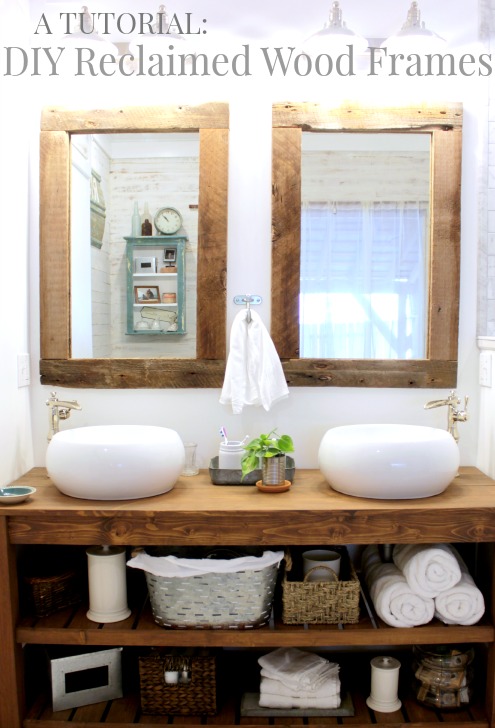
<point>23,372</point>
<point>486,369</point>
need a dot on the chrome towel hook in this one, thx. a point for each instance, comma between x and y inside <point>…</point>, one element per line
<point>249,300</point>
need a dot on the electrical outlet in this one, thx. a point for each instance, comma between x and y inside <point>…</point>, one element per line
<point>486,369</point>
<point>23,373</point>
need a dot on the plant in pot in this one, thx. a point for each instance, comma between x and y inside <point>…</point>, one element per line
<point>269,450</point>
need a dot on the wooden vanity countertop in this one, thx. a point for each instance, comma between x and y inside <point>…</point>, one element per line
<point>197,512</point>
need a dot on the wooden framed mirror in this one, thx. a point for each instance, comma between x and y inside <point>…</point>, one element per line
<point>438,366</point>
<point>57,367</point>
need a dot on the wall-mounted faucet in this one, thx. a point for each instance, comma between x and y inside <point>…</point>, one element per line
<point>454,414</point>
<point>58,410</point>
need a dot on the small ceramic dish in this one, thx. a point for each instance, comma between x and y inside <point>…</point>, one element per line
<point>273,488</point>
<point>15,493</point>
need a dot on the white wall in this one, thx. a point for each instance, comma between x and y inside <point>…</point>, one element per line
<point>307,413</point>
<point>15,292</point>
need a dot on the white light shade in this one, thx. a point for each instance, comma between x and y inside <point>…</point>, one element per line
<point>335,37</point>
<point>414,37</point>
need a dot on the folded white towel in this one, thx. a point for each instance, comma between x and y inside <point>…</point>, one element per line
<point>462,603</point>
<point>253,374</point>
<point>393,598</point>
<point>295,668</point>
<point>282,701</point>
<point>428,568</point>
<point>329,688</point>
<point>172,566</point>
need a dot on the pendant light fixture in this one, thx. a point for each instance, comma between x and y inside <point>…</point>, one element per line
<point>414,37</point>
<point>85,35</point>
<point>335,36</point>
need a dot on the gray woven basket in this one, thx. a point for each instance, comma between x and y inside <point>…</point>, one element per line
<point>239,600</point>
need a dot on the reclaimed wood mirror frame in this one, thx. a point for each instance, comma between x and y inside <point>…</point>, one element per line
<point>56,365</point>
<point>444,124</point>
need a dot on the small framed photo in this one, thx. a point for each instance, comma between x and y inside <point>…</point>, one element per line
<point>170,255</point>
<point>145,265</point>
<point>146,294</point>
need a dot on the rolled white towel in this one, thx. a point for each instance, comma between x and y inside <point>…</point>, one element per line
<point>295,668</point>
<point>329,688</point>
<point>393,599</point>
<point>462,603</point>
<point>267,700</point>
<point>428,568</point>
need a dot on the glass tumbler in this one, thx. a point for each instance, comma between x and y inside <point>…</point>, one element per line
<point>190,467</point>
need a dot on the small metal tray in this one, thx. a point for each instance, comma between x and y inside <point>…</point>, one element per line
<point>233,477</point>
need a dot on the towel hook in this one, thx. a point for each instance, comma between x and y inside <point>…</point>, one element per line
<point>249,300</point>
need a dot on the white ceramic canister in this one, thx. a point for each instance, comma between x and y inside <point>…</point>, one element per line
<point>107,584</point>
<point>230,454</point>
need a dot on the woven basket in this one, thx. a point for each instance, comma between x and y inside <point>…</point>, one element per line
<point>48,594</point>
<point>320,602</point>
<point>239,600</point>
<point>196,696</point>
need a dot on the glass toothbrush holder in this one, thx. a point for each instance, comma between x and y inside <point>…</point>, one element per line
<point>190,467</point>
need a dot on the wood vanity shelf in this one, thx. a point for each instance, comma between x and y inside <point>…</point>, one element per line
<point>196,512</point>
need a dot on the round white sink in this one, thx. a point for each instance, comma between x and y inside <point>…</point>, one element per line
<point>115,462</point>
<point>388,461</point>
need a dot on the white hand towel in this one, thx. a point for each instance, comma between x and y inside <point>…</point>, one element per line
<point>295,668</point>
<point>329,688</point>
<point>267,700</point>
<point>462,603</point>
<point>253,374</point>
<point>393,598</point>
<point>428,568</point>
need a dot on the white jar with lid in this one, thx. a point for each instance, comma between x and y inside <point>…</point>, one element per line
<point>230,454</point>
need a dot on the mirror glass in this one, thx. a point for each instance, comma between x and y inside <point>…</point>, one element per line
<point>110,173</point>
<point>365,201</point>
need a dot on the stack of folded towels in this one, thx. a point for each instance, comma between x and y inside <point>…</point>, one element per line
<point>293,678</point>
<point>423,581</point>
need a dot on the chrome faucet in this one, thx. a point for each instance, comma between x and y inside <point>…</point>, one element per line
<point>58,410</point>
<point>454,414</point>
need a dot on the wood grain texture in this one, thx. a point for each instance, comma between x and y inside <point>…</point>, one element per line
<point>197,512</point>
<point>133,373</point>
<point>407,374</point>
<point>445,125</point>
<point>212,244</point>
<point>54,246</point>
<point>11,658</point>
<point>355,117</point>
<point>286,226</point>
<point>136,118</point>
<point>445,262</point>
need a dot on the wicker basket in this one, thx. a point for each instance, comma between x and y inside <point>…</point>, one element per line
<point>196,692</point>
<point>320,602</point>
<point>48,594</point>
<point>238,600</point>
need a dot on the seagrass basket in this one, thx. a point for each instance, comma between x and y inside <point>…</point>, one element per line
<point>48,594</point>
<point>319,602</point>
<point>239,600</point>
<point>194,693</point>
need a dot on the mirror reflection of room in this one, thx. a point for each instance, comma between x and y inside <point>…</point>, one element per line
<point>364,245</point>
<point>132,172</point>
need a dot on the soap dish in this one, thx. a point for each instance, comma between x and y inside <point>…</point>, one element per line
<point>15,494</point>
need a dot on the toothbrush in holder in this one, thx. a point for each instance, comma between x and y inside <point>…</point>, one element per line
<point>223,433</point>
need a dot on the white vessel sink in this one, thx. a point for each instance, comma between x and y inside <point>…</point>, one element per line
<point>388,461</point>
<point>115,462</point>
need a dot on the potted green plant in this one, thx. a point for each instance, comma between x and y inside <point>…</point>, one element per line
<point>269,450</point>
